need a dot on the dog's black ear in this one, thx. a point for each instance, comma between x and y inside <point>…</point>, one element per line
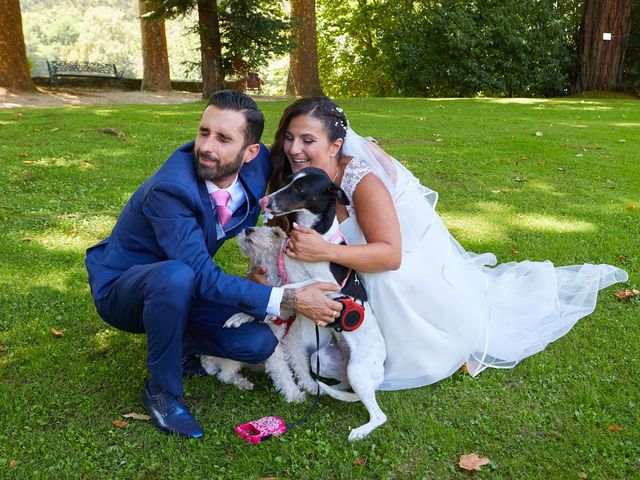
<point>336,192</point>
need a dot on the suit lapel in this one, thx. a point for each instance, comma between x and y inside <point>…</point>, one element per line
<point>210,219</point>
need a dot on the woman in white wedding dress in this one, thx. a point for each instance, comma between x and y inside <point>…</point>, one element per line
<point>438,305</point>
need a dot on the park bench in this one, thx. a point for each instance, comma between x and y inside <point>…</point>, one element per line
<point>81,69</point>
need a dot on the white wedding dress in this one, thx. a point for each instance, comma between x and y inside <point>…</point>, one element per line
<point>445,306</point>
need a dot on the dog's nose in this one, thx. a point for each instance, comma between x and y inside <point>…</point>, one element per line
<point>249,231</point>
<point>264,203</point>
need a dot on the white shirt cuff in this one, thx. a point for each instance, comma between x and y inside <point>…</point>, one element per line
<point>273,307</point>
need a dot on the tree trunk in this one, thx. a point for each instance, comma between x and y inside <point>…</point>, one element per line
<point>602,60</point>
<point>303,79</point>
<point>155,60</point>
<point>210,47</point>
<point>14,68</point>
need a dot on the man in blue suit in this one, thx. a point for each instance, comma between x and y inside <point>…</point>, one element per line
<point>154,274</point>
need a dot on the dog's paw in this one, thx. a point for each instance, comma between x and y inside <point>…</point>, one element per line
<point>210,364</point>
<point>294,396</point>
<point>238,319</point>
<point>243,384</point>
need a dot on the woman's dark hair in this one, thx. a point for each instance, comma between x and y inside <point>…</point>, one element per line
<point>239,102</point>
<point>322,108</point>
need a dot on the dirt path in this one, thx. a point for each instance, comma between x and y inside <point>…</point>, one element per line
<point>61,96</point>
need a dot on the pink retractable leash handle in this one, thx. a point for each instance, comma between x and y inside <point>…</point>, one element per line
<point>261,429</point>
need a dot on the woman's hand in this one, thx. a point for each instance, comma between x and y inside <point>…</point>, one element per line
<point>307,245</point>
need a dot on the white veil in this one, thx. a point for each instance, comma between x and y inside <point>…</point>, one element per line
<point>414,203</point>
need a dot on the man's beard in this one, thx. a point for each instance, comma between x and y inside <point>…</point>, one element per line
<point>217,171</point>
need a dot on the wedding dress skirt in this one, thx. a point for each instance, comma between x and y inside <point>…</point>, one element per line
<point>445,306</point>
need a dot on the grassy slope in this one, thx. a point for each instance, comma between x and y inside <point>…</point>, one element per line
<point>63,183</point>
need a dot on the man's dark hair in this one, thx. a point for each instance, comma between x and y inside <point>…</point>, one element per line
<point>239,102</point>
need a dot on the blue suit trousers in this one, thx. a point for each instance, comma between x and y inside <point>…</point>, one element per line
<point>157,299</point>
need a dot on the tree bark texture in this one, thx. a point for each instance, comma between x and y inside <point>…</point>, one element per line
<point>210,47</point>
<point>303,79</point>
<point>601,60</point>
<point>14,68</point>
<point>155,59</point>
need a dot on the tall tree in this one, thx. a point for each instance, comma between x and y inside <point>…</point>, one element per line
<point>303,79</point>
<point>155,59</point>
<point>232,32</point>
<point>210,47</point>
<point>14,68</point>
<point>602,59</point>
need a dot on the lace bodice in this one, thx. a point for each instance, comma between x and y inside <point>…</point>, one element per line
<point>355,171</point>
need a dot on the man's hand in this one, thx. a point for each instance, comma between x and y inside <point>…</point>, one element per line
<point>312,302</point>
<point>259,275</point>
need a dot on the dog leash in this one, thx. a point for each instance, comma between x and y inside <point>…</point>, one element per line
<point>316,400</point>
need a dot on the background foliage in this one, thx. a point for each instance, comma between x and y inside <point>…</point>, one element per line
<point>103,31</point>
<point>449,48</point>
<point>366,47</point>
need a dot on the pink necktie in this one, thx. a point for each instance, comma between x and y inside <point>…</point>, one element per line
<point>221,199</point>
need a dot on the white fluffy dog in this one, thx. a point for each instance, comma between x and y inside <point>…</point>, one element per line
<point>262,245</point>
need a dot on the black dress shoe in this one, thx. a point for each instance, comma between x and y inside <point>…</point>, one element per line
<point>191,366</point>
<point>169,414</point>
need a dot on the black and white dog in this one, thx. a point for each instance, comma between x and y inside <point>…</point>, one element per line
<point>355,358</point>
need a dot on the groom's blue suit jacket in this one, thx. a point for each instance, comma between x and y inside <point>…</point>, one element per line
<point>171,217</point>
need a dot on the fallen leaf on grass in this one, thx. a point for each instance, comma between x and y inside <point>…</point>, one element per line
<point>110,131</point>
<point>119,423</point>
<point>539,133</point>
<point>631,206</point>
<point>583,475</point>
<point>514,250</point>
<point>1,347</point>
<point>54,129</point>
<point>626,293</point>
<point>622,258</point>
<point>57,333</point>
<point>12,464</point>
<point>464,368</point>
<point>230,453</point>
<point>268,478</point>
<point>24,154</point>
<point>472,462</point>
<point>615,428</point>
<point>520,178</point>
<point>359,461</point>
<point>137,416</point>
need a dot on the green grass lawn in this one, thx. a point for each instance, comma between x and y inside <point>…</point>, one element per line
<point>527,179</point>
